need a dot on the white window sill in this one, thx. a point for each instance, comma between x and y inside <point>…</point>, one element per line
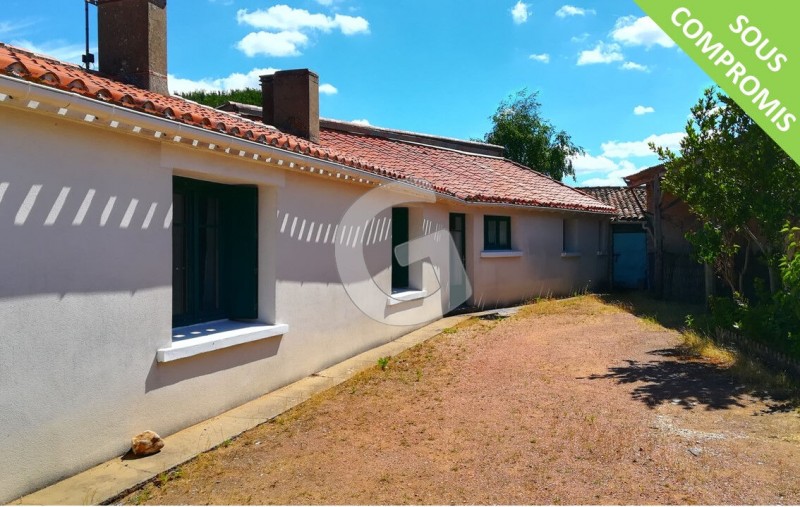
<point>406,295</point>
<point>570,255</point>
<point>197,339</point>
<point>500,253</point>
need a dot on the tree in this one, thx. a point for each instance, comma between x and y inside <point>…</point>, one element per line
<point>531,140</point>
<point>215,99</point>
<point>739,182</point>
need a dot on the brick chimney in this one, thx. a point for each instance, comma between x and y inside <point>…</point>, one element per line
<point>132,42</point>
<point>290,102</point>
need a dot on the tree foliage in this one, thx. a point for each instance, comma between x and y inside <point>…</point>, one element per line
<point>740,183</point>
<point>530,139</point>
<point>215,99</point>
<point>744,189</point>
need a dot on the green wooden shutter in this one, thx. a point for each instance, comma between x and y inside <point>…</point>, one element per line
<point>399,236</point>
<point>239,268</point>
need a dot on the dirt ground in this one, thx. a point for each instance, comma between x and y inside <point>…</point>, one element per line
<point>568,402</point>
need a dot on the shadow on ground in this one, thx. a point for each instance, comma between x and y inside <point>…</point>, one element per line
<point>670,314</point>
<point>690,384</point>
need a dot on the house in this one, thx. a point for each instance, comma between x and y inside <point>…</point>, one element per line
<point>673,272</point>
<point>163,262</point>
<point>628,236</point>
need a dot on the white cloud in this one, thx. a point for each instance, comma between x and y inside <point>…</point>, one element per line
<point>610,171</point>
<point>635,66</point>
<point>519,13</point>
<point>57,49</point>
<point>544,58</point>
<point>273,44</point>
<point>283,30</point>
<point>351,25</point>
<point>585,164</point>
<point>362,121</point>
<point>7,27</point>
<point>235,81</point>
<point>613,178</point>
<point>579,38</point>
<point>641,110</point>
<point>284,18</point>
<point>328,89</point>
<point>571,10</point>
<point>616,149</point>
<point>602,53</point>
<point>633,31</point>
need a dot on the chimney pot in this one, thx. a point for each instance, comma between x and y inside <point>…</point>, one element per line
<point>132,42</point>
<point>290,102</point>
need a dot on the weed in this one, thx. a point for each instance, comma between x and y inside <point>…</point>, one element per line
<point>142,495</point>
<point>226,443</point>
<point>449,330</point>
<point>383,362</point>
<point>419,375</point>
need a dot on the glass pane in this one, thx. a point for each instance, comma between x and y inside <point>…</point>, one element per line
<point>491,232</point>
<point>503,240</point>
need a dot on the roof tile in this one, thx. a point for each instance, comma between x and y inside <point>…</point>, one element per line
<point>470,177</point>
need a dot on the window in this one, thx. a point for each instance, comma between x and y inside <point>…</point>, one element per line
<point>399,236</point>
<point>214,252</point>
<point>570,236</point>
<point>496,232</point>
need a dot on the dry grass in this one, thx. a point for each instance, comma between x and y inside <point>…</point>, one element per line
<point>559,403</point>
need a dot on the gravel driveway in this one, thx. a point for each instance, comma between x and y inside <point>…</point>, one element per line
<point>572,402</point>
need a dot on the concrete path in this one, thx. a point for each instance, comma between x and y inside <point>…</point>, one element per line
<point>117,476</point>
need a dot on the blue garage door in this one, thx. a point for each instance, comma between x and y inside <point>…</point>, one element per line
<point>630,260</point>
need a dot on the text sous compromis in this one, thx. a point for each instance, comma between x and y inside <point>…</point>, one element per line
<point>747,83</point>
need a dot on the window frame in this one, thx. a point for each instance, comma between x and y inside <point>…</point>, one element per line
<point>496,222</point>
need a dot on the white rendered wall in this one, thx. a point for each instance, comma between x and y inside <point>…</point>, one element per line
<point>85,289</point>
<point>85,297</point>
<point>541,269</point>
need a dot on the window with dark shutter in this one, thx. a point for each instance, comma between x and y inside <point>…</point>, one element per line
<point>399,236</point>
<point>214,252</point>
<point>496,232</point>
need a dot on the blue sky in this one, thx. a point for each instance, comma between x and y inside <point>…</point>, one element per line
<point>604,72</point>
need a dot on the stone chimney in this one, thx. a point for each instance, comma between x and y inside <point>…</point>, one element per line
<point>290,102</point>
<point>132,42</point>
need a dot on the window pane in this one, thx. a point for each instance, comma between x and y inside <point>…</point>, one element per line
<point>503,241</point>
<point>491,231</point>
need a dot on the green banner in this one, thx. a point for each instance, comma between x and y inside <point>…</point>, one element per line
<point>750,49</point>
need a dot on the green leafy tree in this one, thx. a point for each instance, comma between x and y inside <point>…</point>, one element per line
<point>739,182</point>
<point>215,99</point>
<point>530,139</point>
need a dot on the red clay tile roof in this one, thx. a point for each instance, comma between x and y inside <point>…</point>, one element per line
<point>470,177</point>
<point>628,201</point>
